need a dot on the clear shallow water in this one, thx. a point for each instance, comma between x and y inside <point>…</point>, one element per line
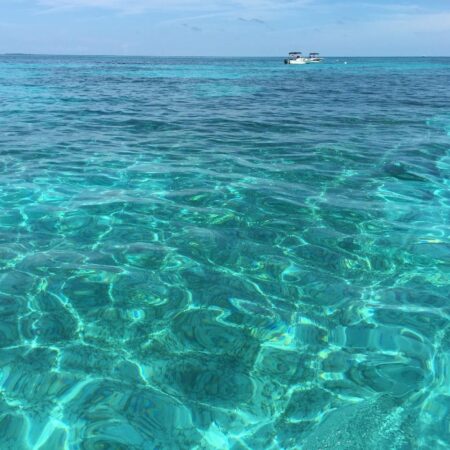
<point>224,253</point>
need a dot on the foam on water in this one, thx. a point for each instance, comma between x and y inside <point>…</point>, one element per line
<point>224,253</point>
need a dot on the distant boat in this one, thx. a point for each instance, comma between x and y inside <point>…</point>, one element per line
<point>298,58</point>
<point>314,57</point>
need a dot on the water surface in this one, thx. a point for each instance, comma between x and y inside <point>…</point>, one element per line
<point>224,253</point>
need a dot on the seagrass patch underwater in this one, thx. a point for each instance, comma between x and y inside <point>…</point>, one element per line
<point>201,253</point>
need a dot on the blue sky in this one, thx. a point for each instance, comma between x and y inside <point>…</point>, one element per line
<point>225,27</point>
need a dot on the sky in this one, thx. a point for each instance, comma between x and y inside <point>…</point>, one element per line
<point>226,27</point>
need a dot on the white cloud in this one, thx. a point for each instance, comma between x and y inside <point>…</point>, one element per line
<point>143,5</point>
<point>421,23</point>
<point>126,6</point>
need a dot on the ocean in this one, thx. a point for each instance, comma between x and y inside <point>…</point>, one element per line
<point>224,253</point>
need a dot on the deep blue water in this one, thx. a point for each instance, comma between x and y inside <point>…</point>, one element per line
<point>224,253</point>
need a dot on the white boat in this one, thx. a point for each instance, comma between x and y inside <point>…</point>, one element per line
<point>296,58</point>
<point>314,57</point>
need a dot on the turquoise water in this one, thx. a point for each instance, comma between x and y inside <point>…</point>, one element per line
<point>224,253</point>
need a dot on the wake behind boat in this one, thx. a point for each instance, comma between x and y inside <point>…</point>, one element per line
<point>298,58</point>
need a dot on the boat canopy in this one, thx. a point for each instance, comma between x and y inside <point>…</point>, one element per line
<point>295,53</point>
<point>314,54</point>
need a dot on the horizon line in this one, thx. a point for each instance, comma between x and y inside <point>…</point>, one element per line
<point>210,56</point>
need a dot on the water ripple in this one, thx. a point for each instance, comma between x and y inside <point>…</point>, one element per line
<point>224,253</point>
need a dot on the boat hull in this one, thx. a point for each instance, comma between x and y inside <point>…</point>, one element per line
<point>296,61</point>
<point>302,61</point>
